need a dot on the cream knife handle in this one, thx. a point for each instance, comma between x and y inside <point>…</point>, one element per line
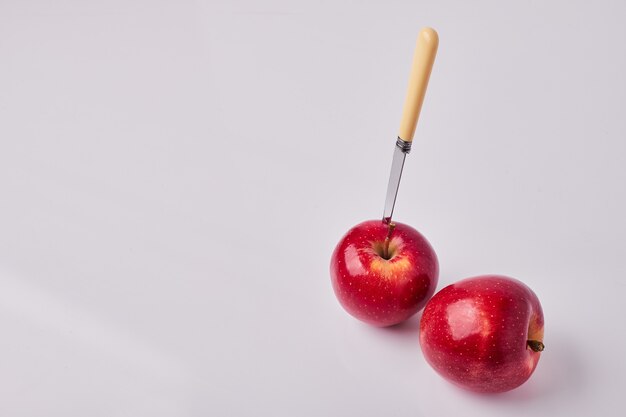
<point>423,59</point>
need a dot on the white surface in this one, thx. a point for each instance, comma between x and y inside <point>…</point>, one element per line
<point>174,176</point>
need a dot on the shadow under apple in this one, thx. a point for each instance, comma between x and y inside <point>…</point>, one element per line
<point>405,333</point>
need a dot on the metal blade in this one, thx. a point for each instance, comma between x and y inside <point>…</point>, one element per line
<point>400,151</point>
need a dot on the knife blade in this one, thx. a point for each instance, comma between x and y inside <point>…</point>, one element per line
<point>400,151</point>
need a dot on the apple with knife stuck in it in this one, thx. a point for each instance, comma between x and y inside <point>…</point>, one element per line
<point>382,271</point>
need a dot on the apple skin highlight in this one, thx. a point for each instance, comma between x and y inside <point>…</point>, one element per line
<point>484,334</point>
<point>379,291</point>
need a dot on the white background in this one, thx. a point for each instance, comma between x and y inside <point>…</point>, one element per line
<point>175,174</point>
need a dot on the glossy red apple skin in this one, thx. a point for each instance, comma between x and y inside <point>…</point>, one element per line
<point>474,333</point>
<point>378,291</point>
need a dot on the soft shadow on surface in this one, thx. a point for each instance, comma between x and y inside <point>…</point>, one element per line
<point>407,331</point>
<point>411,325</point>
<point>561,371</point>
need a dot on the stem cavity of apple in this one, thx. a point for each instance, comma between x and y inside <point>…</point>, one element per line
<point>535,345</point>
<point>387,240</point>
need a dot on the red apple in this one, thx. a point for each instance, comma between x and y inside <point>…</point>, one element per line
<point>383,274</point>
<point>483,333</point>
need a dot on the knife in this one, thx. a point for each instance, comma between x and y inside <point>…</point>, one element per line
<point>423,59</point>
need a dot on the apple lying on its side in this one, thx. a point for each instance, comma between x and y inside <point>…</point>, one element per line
<point>483,333</point>
<point>383,273</point>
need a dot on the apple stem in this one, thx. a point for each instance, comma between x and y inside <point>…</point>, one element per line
<point>535,345</point>
<point>387,240</point>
